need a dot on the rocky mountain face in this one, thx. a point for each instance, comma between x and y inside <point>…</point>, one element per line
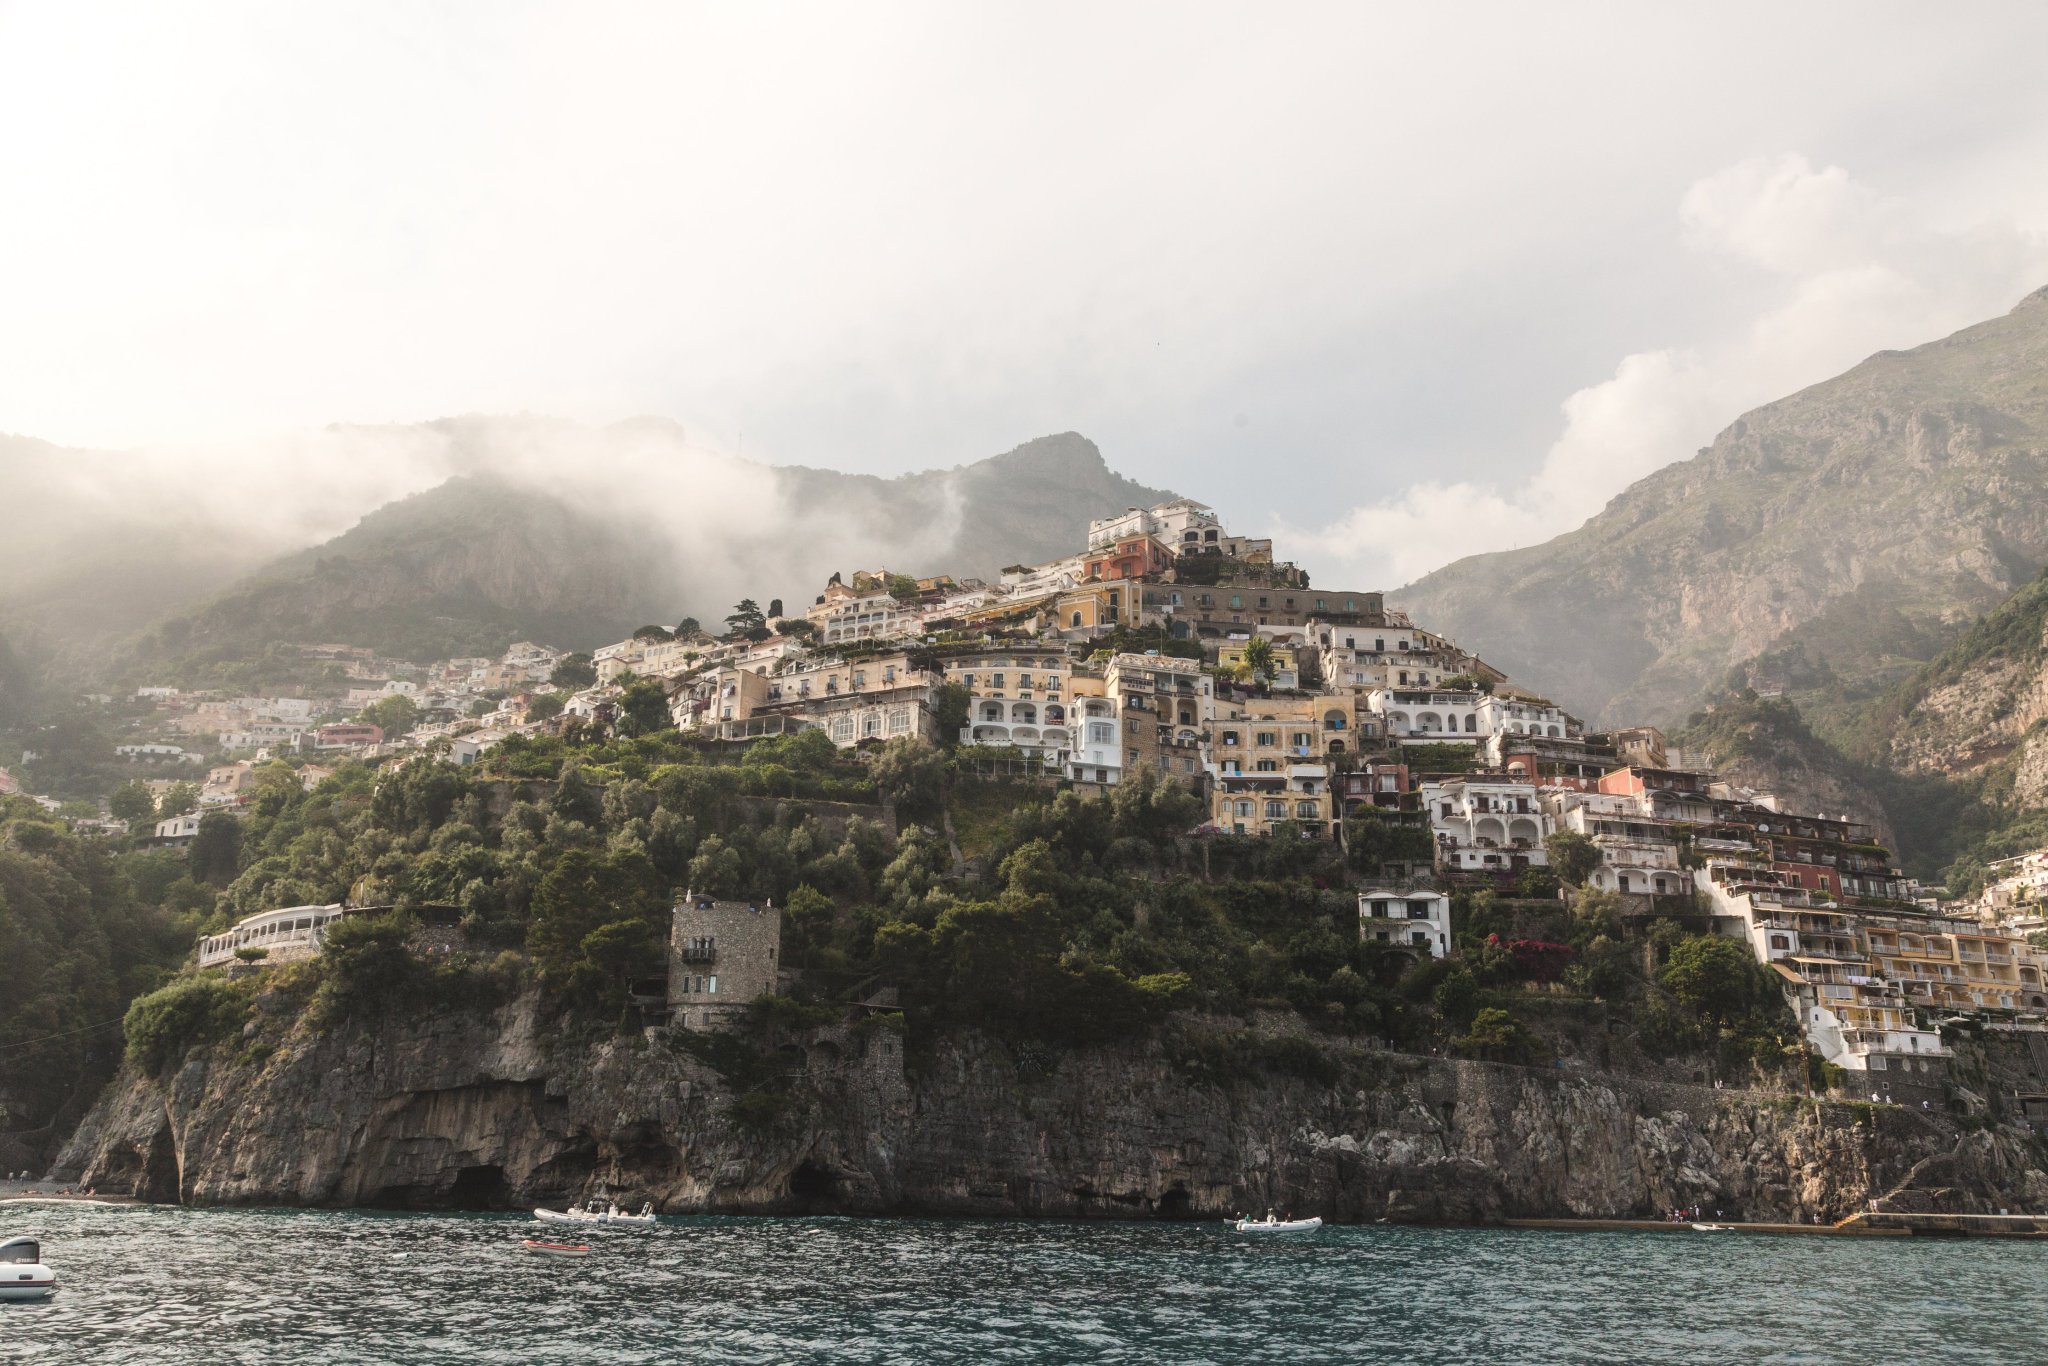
<point>1865,519</point>
<point>484,1110</point>
<point>1982,705</point>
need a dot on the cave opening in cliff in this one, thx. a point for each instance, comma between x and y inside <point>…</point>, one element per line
<point>1175,1204</point>
<point>813,1187</point>
<point>480,1188</point>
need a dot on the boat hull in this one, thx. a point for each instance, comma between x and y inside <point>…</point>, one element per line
<point>40,1287</point>
<point>1281,1226</point>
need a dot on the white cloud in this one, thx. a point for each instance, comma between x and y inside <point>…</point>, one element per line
<point>1850,272</point>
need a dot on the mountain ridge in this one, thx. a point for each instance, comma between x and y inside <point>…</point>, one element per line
<point>1920,476</point>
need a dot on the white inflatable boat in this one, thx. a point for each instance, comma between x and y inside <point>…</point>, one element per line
<point>587,1218</point>
<point>22,1273</point>
<point>1279,1225</point>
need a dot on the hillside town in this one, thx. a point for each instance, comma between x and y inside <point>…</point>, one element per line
<point>1167,644</point>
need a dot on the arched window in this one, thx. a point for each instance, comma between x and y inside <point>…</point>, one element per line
<point>1077,618</point>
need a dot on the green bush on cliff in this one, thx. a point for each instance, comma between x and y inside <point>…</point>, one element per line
<point>163,1025</point>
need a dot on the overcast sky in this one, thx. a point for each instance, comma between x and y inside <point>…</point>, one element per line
<point>1401,282</point>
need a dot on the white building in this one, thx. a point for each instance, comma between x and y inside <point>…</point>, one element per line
<point>1419,715</point>
<point>181,829</point>
<point>1419,919</point>
<point>1525,716</point>
<point>283,935</point>
<point>1486,825</point>
<point>465,750</point>
<point>1637,854</point>
<point>172,753</point>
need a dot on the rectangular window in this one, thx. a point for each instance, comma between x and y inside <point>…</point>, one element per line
<point>711,984</point>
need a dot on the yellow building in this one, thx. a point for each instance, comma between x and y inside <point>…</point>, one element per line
<point>1270,767</point>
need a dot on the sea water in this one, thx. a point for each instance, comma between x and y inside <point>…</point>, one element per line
<point>159,1285</point>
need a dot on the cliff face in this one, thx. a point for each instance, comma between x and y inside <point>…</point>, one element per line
<point>1985,701</point>
<point>479,1111</point>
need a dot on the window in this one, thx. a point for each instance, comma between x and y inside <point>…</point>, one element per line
<point>1230,737</point>
<point>1237,600</point>
<point>996,681</point>
<point>1308,811</point>
<point>711,984</point>
<point>1268,738</point>
<point>1276,811</point>
<point>842,728</point>
<point>1263,601</point>
<point>1303,739</point>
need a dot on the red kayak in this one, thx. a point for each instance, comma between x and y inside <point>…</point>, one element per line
<point>556,1249</point>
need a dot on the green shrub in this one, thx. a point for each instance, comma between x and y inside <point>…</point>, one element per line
<point>162,1026</point>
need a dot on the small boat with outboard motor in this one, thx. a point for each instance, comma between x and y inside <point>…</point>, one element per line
<point>22,1273</point>
<point>555,1249</point>
<point>591,1213</point>
<point>1269,1224</point>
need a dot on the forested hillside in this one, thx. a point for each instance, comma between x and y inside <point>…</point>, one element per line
<point>84,928</point>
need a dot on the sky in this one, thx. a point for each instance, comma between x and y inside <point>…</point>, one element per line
<point>1397,283</point>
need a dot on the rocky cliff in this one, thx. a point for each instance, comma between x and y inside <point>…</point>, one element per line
<point>481,1109</point>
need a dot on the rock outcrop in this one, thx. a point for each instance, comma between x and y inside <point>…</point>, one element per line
<point>483,1110</point>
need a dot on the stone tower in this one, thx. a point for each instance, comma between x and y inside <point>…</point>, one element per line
<point>721,955</point>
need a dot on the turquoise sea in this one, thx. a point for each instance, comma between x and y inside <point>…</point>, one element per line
<point>156,1285</point>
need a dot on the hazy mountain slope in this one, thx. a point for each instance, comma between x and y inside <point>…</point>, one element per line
<point>465,568</point>
<point>479,561</point>
<point>1027,505</point>
<point>82,562</point>
<point>1878,510</point>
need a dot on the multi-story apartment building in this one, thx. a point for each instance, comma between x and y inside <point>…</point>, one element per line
<point>1486,826</point>
<point>1271,767</point>
<point>1020,697</point>
<point>1419,920</point>
<point>843,614</point>
<point>1165,706</point>
<point>1638,853</point>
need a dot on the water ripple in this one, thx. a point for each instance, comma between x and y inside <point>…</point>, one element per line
<point>270,1287</point>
